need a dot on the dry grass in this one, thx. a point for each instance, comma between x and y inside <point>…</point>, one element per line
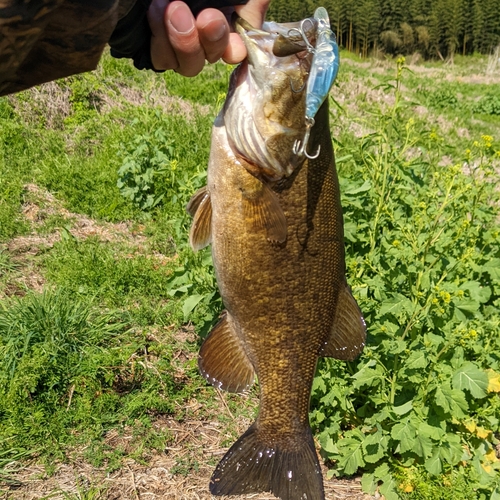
<point>181,473</point>
<point>38,207</point>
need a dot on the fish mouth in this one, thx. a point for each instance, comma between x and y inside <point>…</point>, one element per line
<point>285,39</point>
<point>269,89</point>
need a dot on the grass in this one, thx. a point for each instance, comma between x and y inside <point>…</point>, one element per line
<point>100,294</point>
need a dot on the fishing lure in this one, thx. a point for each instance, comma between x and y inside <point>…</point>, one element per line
<point>324,69</point>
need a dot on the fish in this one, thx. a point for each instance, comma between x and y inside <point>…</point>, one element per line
<point>274,221</point>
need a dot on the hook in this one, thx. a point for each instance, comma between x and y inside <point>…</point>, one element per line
<point>302,34</point>
<point>297,91</point>
<point>300,148</point>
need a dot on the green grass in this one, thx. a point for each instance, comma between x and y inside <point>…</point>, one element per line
<point>95,351</point>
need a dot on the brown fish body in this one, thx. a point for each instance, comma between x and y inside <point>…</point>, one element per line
<point>278,252</point>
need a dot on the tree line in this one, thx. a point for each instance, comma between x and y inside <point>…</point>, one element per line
<point>435,28</point>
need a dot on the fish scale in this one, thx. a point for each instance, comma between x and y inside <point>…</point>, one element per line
<point>278,252</point>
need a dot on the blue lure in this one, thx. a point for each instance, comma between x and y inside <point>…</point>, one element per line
<point>324,69</point>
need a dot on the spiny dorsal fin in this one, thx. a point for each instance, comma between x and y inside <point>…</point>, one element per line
<point>348,336</point>
<point>223,361</point>
<point>200,207</point>
<point>255,464</point>
<point>262,209</point>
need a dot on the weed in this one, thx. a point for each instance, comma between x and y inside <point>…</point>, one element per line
<point>423,255</point>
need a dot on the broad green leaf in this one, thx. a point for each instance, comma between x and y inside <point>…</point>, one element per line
<point>388,488</point>
<point>422,446</point>
<point>351,454</point>
<point>435,433</point>
<point>368,377</point>
<point>496,494</point>
<point>470,377</point>
<point>327,443</point>
<point>477,291</point>
<point>416,360</point>
<point>492,267</point>
<point>405,433</point>
<point>403,409</point>
<point>382,471</point>
<point>434,465</point>
<point>452,401</point>
<point>468,305</point>
<point>450,449</point>
<point>396,305</point>
<point>366,186</point>
<point>190,303</point>
<point>368,483</point>
<point>375,445</point>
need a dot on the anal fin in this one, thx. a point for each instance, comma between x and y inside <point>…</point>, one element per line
<point>200,207</point>
<point>223,361</point>
<point>262,209</point>
<point>348,335</point>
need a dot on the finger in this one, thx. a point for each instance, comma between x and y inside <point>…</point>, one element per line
<point>213,30</point>
<point>183,37</point>
<point>162,54</point>
<point>235,51</point>
<point>254,11</point>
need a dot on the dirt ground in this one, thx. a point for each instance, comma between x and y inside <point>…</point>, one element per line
<point>182,472</point>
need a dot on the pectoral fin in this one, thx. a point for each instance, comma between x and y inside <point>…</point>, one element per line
<point>262,209</point>
<point>223,361</point>
<point>348,335</point>
<point>200,207</point>
<point>196,199</point>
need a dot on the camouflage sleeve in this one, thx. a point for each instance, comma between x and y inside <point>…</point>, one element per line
<point>43,40</point>
<point>132,36</point>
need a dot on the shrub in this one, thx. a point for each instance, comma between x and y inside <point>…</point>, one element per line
<point>424,262</point>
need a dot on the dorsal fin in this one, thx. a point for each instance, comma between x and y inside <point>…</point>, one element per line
<point>262,209</point>
<point>223,360</point>
<point>348,335</point>
<point>200,206</point>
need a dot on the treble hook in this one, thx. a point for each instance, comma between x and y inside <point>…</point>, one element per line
<point>302,34</point>
<point>297,91</point>
<point>300,148</point>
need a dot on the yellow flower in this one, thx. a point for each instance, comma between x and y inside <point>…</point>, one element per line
<point>488,140</point>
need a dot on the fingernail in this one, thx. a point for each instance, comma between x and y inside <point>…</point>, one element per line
<point>216,32</point>
<point>181,20</point>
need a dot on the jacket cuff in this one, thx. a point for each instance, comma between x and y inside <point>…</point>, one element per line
<point>132,37</point>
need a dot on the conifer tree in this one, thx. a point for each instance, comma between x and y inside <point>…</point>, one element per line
<point>436,28</point>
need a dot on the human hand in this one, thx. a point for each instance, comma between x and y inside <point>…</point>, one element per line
<point>182,43</point>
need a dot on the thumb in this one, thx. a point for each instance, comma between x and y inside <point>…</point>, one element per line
<point>254,12</point>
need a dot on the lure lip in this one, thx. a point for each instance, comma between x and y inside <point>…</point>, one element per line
<point>285,44</point>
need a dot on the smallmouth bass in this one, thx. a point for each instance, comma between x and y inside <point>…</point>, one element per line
<point>274,220</point>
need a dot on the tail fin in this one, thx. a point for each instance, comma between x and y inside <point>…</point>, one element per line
<point>252,466</point>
